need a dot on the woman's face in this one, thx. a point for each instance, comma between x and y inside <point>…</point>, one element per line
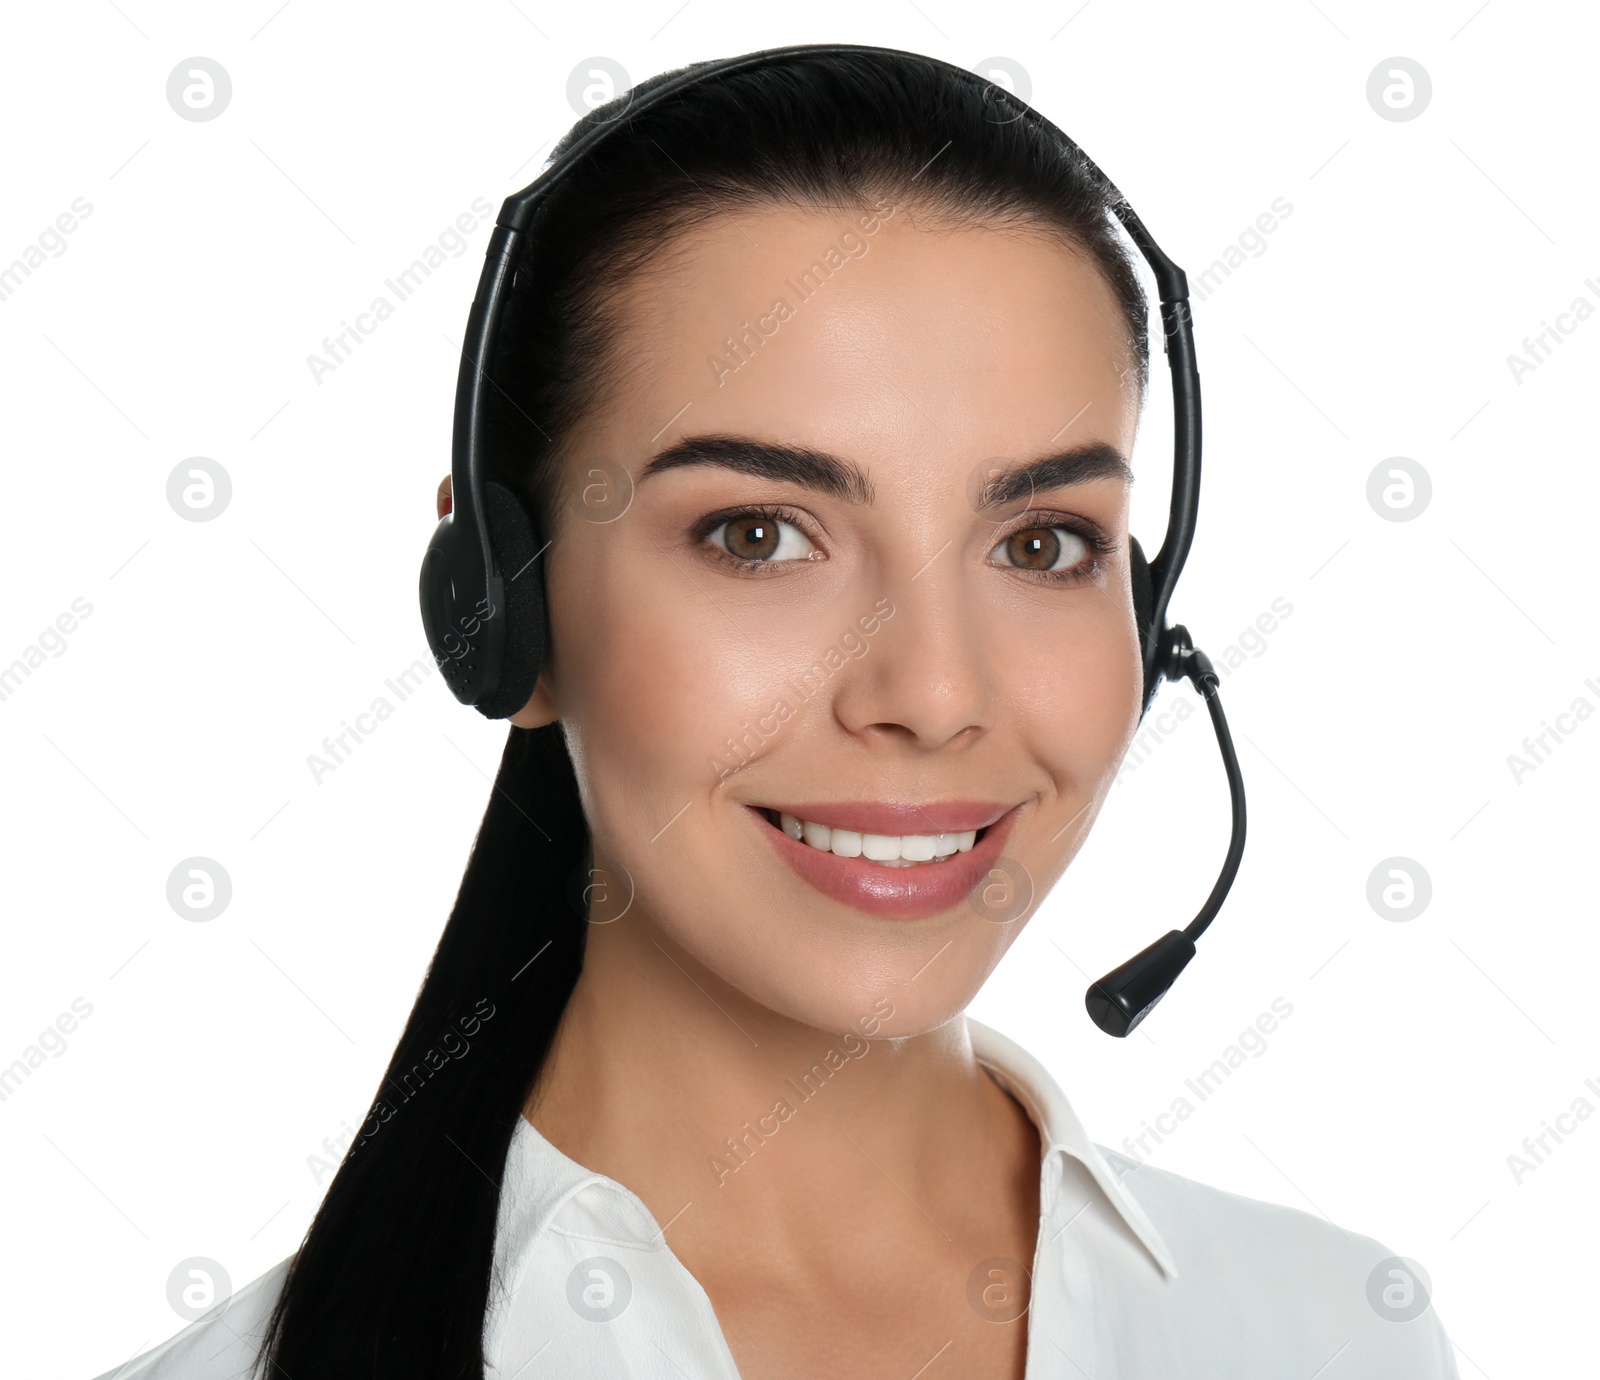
<point>834,600</point>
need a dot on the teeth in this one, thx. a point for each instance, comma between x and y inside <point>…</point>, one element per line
<point>905,850</point>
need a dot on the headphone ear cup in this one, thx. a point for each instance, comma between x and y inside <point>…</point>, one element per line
<point>513,544</point>
<point>1144,610</point>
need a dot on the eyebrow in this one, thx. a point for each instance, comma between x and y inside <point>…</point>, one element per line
<point>844,479</point>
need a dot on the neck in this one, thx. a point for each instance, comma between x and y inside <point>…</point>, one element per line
<point>752,1137</point>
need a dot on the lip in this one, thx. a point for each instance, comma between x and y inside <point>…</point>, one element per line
<point>905,893</point>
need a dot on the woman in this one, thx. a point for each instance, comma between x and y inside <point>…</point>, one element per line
<point>688,1089</point>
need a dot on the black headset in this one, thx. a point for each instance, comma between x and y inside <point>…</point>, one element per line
<point>487,627</point>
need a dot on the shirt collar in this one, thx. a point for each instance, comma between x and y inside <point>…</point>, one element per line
<point>1060,1131</point>
<point>543,1187</point>
<point>543,1190</point>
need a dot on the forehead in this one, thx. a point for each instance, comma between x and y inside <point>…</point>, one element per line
<point>902,336</point>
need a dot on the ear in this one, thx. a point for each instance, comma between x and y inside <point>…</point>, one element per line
<point>540,708</point>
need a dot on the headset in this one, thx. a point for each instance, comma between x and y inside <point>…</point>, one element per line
<point>487,628</point>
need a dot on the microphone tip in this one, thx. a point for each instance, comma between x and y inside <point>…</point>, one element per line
<point>1127,994</point>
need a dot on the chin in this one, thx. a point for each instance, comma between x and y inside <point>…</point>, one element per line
<point>896,981</point>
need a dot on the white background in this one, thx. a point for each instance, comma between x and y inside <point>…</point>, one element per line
<point>1377,721</point>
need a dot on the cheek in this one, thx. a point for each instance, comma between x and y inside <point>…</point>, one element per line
<point>1076,694</point>
<point>655,676</point>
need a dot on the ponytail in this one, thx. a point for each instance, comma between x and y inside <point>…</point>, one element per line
<point>370,1291</point>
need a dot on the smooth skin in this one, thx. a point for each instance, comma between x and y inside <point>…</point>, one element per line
<point>845,1242</point>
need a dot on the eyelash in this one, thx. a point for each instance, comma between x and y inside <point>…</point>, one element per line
<point>1100,545</point>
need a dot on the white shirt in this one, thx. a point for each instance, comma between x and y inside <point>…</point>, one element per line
<point>1138,1274</point>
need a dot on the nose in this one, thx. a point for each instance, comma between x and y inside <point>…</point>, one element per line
<point>927,678</point>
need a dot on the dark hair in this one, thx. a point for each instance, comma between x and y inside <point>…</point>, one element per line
<point>393,1276</point>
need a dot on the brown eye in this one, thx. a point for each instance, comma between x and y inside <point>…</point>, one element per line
<point>761,537</point>
<point>1043,549</point>
<point>752,539</point>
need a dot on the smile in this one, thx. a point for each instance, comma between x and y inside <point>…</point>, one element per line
<point>888,850</point>
<point>867,857</point>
